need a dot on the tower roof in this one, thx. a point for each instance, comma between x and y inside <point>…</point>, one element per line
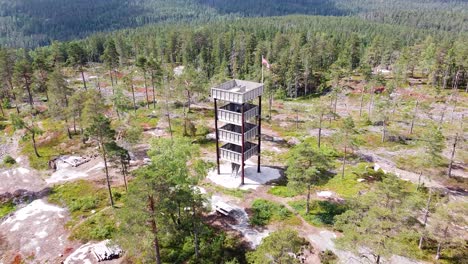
<point>237,91</point>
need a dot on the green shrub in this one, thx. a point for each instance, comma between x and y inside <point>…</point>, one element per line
<point>264,211</point>
<point>8,160</point>
<point>6,208</point>
<point>328,257</point>
<point>321,213</point>
<point>84,204</point>
<point>283,191</point>
<point>203,130</point>
<point>99,226</point>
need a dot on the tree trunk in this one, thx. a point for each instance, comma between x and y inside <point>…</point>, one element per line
<point>439,248</point>
<point>362,102</point>
<point>426,214</point>
<point>133,96</point>
<point>336,103</point>
<point>68,129</point>
<point>452,156</point>
<point>154,91</point>
<point>146,90</point>
<point>31,102</point>
<point>195,234</point>
<point>384,129</point>
<point>414,117</point>
<point>33,137</point>
<point>154,229</point>
<point>270,101</point>
<point>168,118</point>
<point>104,156</point>
<point>1,108</point>
<point>297,120</point>
<point>112,80</point>
<point>189,100</point>
<point>84,80</point>
<point>124,173</point>
<point>320,130</point>
<point>419,180</point>
<point>370,105</point>
<point>344,161</point>
<point>377,261</point>
<point>308,199</point>
<point>74,124</point>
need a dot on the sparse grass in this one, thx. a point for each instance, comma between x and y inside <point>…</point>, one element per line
<point>47,150</point>
<point>92,218</point>
<point>321,212</point>
<point>283,191</point>
<point>98,226</point>
<point>147,118</point>
<point>231,192</point>
<point>265,212</point>
<point>6,208</point>
<point>348,186</point>
<point>411,163</point>
<point>80,197</point>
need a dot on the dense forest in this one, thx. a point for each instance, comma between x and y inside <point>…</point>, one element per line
<point>305,51</point>
<point>27,23</point>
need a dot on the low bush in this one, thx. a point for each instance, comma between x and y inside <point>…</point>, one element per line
<point>8,160</point>
<point>328,257</point>
<point>283,191</point>
<point>321,213</point>
<point>6,208</point>
<point>264,211</point>
<point>99,226</point>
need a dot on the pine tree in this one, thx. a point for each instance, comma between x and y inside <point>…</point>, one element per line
<point>100,130</point>
<point>306,167</point>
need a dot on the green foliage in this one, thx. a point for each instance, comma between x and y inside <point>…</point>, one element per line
<point>48,149</point>
<point>162,194</point>
<point>6,208</point>
<point>321,213</point>
<point>80,197</point>
<point>239,193</point>
<point>86,203</point>
<point>275,248</point>
<point>283,191</point>
<point>264,211</point>
<point>99,226</point>
<point>8,160</point>
<point>328,257</point>
<point>307,165</point>
<point>378,219</point>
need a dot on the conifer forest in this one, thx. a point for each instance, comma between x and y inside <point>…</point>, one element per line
<point>233,131</point>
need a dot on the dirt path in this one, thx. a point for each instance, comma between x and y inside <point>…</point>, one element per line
<point>389,166</point>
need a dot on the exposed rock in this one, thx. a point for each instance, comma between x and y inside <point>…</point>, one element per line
<point>293,141</point>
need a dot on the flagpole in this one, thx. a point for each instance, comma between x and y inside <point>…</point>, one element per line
<point>262,72</point>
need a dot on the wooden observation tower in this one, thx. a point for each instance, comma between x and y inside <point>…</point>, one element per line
<point>242,123</point>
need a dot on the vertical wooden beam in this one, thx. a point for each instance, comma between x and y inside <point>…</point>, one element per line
<point>217,133</point>
<point>259,130</point>
<point>243,142</point>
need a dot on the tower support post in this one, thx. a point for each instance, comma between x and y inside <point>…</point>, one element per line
<point>217,134</point>
<point>243,143</point>
<point>259,131</point>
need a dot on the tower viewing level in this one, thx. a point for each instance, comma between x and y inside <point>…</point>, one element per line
<point>242,123</point>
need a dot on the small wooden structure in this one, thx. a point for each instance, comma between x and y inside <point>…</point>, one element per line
<point>238,114</point>
<point>223,208</point>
